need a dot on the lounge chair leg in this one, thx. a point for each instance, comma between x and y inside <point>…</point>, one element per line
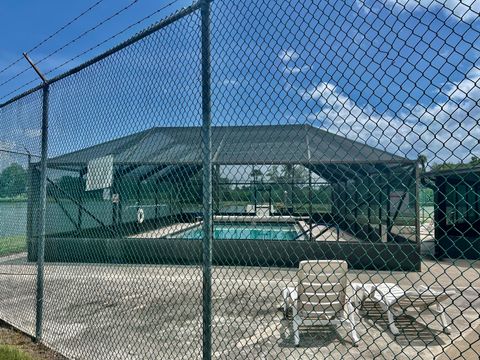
<point>296,333</point>
<point>289,297</point>
<point>443,318</point>
<point>352,324</point>
<point>286,295</point>
<point>391,323</point>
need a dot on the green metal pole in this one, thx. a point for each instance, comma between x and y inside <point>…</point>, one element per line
<point>207,181</point>
<point>41,220</point>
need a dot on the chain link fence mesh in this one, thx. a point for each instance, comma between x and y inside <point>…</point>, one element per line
<point>345,189</point>
<point>19,148</point>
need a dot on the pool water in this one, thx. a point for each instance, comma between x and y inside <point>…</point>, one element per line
<point>244,232</point>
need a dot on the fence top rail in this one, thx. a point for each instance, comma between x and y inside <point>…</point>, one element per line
<point>179,14</point>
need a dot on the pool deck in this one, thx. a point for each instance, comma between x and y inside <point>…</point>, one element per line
<point>329,235</point>
<point>164,231</point>
<point>155,312</point>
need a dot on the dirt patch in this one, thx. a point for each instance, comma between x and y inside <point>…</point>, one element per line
<point>13,337</point>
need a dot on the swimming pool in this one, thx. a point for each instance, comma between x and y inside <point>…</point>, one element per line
<point>244,232</point>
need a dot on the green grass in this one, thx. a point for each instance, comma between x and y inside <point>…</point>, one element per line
<point>20,198</point>
<point>12,245</point>
<point>11,353</point>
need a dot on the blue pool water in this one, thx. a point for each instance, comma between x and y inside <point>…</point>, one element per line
<point>244,232</point>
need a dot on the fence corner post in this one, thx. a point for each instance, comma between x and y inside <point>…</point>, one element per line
<point>41,215</point>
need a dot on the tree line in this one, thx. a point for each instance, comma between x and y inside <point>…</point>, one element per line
<point>13,181</point>
<point>474,162</point>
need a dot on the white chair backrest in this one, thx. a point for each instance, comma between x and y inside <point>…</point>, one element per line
<point>321,288</point>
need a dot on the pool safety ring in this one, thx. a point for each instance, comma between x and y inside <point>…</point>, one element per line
<point>140,215</point>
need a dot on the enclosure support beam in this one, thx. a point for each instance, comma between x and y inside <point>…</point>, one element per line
<point>79,204</point>
<point>355,208</point>
<point>41,217</point>
<point>207,181</point>
<point>388,190</point>
<point>417,204</point>
<point>347,212</point>
<point>82,174</point>
<point>440,213</point>
<point>79,214</point>
<point>156,203</point>
<point>60,205</point>
<point>380,215</point>
<point>216,192</point>
<point>369,209</point>
<point>254,188</point>
<point>270,212</point>
<point>292,181</point>
<point>402,199</point>
<point>310,200</point>
<point>139,183</point>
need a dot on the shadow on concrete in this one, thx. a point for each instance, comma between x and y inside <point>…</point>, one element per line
<point>412,332</point>
<point>313,336</point>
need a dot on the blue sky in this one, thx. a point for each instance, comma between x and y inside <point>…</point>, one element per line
<point>398,75</point>
<point>29,22</point>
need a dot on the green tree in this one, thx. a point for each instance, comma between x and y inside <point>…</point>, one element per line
<point>274,174</point>
<point>13,181</point>
<point>474,161</point>
<point>300,174</point>
<point>256,174</point>
<point>422,159</point>
<point>287,173</point>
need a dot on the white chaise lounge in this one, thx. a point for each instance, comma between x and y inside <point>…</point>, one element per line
<point>396,301</point>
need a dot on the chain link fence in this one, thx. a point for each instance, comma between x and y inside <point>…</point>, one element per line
<point>253,179</point>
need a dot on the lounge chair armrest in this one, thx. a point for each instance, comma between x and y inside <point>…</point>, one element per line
<point>422,288</point>
<point>436,292</point>
<point>375,293</point>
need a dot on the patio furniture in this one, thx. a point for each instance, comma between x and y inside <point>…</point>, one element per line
<point>396,301</point>
<point>319,299</point>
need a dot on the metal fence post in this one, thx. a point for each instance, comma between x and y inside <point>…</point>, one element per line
<point>207,182</point>
<point>43,205</point>
<point>42,202</point>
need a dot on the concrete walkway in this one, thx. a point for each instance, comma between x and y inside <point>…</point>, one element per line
<point>151,312</point>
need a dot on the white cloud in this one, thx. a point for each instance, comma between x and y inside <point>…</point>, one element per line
<point>288,55</point>
<point>32,133</point>
<point>446,131</point>
<point>466,10</point>
<point>229,82</point>
<point>6,145</point>
<point>462,104</point>
<point>292,63</point>
<point>295,69</point>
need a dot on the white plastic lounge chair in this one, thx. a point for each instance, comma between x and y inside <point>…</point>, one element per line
<point>319,298</point>
<point>395,301</point>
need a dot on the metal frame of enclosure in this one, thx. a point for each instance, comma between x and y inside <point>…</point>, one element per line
<point>171,156</point>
